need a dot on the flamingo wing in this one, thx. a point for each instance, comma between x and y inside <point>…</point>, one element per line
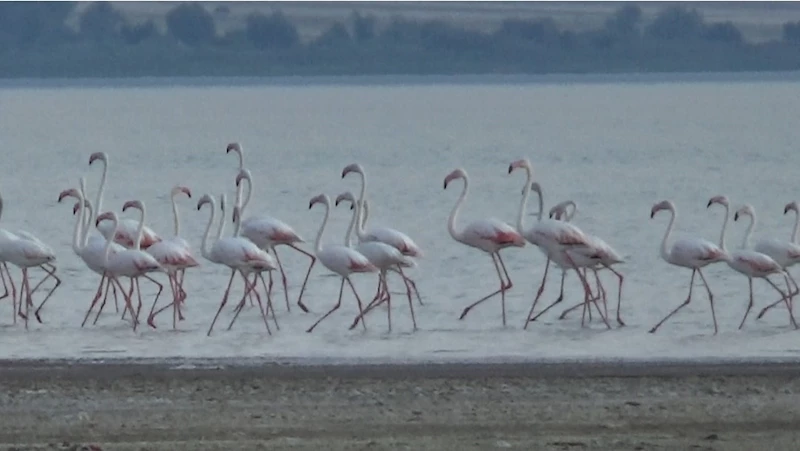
<point>394,238</point>
<point>495,231</point>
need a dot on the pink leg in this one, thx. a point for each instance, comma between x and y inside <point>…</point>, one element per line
<point>305,280</point>
<point>96,298</point>
<point>283,279</point>
<point>51,273</point>
<point>410,284</point>
<point>684,304</point>
<point>785,297</point>
<point>26,282</point>
<point>502,291</point>
<point>538,294</point>
<point>222,304</point>
<point>557,301</point>
<point>270,307</point>
<point>175,301</point>
<point>4,266</point>
<point>749,304</point>
<point>335,307</point>
<point>250,288</point>
<point>113,287</point>
<point>781,300</point>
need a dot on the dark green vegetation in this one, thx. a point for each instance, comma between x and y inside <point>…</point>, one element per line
<point>35,41</point>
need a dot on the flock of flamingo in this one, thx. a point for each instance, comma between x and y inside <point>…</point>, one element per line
<point>129,249</point>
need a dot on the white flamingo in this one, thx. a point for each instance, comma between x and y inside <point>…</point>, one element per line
<point>239,254</point>
<point>561,242</point>
<point>127,228</point>
<point>488,235</point>
<point>268,233</point>
<point>390,236</point>
<point>131,263</point>
<point>606,256</point>
<point>694,253</point>
<point>383,256</point>
<point>786,253</point>
<point>11,245</point>
<point>342,260</point>
<point>175,256</point>
<point>750,263</point>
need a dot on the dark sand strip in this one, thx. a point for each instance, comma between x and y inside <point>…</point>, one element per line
<point>564,406</point>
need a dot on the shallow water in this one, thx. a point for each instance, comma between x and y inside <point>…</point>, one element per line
<point>614,148</point>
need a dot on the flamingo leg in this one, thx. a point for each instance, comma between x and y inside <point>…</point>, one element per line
<point>710,299</point>
<point>382,296</point>
<point>26,282</point>
<point>684,304</point>
<point>335,307</point>
<point>305,280</point>
<point>785,298</point>
<point>96,298</point>
<point>557,301</point>
<point>779,301</point>
<point>113,288</point>
<point>248,291</point>
<point>538,294</point>
<point>4,266</point>
<point>410,283</point>
<point>51,271</point>
<point>128,301</point>
<point>376,301</point>
<point>224,301</point>
<point>270,307</point>
<point>175,300</point>
<point>501,291</point>
<point>750,303</point>
<point>283,279</point>
<point>600,289</point>
<point>619,293</point>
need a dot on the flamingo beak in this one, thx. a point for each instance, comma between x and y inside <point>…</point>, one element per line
<point>187,191</point>
<point>510,168</point>
<point>709,203</point>
<point>736,216</point>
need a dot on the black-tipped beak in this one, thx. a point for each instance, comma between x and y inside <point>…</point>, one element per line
<point>510,168</point>
<point>785,210</point>
<point>709,204</point>
<point>736,216</point>
<point>445,185</point>
<point>310,205</point>
<point>652,214</point>
<point>336,204</point>
<point>352,206</point>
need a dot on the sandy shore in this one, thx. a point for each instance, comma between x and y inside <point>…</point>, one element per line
<point>438,407</point>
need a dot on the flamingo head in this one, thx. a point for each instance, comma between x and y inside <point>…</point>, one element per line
<point>98,156</point>
<point>319,199</point>
<point>744,210</point>
<point>137,204</point>
<point>560,209</point>
<point>109,215</point>
<point>206,199</point>
<point>244,174</point>
<point>346,196</point>
<point>78,206</point>
<point>355,167</point>
<point>72,192</point>
<point>722,200</point>
<point>234,146</point>
<point>456,174</point>
<point>791,206</point>
<point>177,189</point>
<point>523,163</point>
<point>663,205</point>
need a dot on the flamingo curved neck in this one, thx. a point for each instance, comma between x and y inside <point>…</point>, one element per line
<point>107,250</point>
<point>139,231</point>
<point>204,251</point>
<point>664,251</point>
<point>175,216</point>
<point>749,231</point>
<point>99,202</point>
<point>451,222</point>
<point>242,203</point>
<point>353,220</point>
<point>796,226</point>
<point>1,206</point>
<point>526,191</point>
<point>76,234</point>
<point>724,229</point>
<point>363,211</point>
<point>88,217</point>
<point>318,241</point>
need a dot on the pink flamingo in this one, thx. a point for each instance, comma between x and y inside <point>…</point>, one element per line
<point>387,235</point>
<point>694,253</point>
<point>786,253</point>
<point>561,242</point>
<point>383,256</point>
<point>488,235</point>
<point>751,263</point>
<point>268,233</point>
<point>239,254</point>
<point>342,260</point>
<point>606,258</point>
<point>126,233</point>
<point>175,256</point>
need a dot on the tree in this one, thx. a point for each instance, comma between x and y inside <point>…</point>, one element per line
<point>791,32</point>
<point>624,21</point>
<point>136,33</point>
<point>191,24</point>
<point>363,27</point>
<point>676,22</point>
<point>274,31</point>
<point>23,23</point>
<point>725,32</point>
<point>100,21</point>
<point>335,36</point>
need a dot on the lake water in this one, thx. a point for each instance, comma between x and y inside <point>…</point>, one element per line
<point>615,148</point>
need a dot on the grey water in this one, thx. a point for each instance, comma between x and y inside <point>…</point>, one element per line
<point>615,147</point>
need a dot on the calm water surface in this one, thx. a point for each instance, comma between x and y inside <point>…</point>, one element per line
<point>614,148</point>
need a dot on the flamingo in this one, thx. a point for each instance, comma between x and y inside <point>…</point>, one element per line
<point>750,263</point>
<point>127,228</point>
<point>694,253</point>
<point>392,237</point>
<point>488,235</point>
<point>175,256</point>
<point>11,244</point>
<point>91,251</point>
<point>786,253</point>
<point>268,233</point>
<point>561,242</point>
<point>239,254</point>
<point>607,257</point>
<point>341,260</point>
<point>383,256</point>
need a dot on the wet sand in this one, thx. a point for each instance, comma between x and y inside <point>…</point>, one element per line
<point>609,406</point>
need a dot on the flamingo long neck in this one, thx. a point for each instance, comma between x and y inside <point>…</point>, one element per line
<point>749,231</point>
<point>99,202</point>
<point>221,217</point>
<point>239,152</point>
<point>242,203</point>
<point>87,223</point>
<point>1,206</point>
<point>664,250</point>
<point>724,229</point>
<point>796,225</point>
<point>76,234</point>
<point>107,250</point>
<point>237,223</point>
<point>204,251</point>
<point>363,211</point>
<point>318,241</point>
<point>175,216</point>
<point>451,222</point>
<point>139,231</point>
<point>353,221</point>
<point>526,191</point>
